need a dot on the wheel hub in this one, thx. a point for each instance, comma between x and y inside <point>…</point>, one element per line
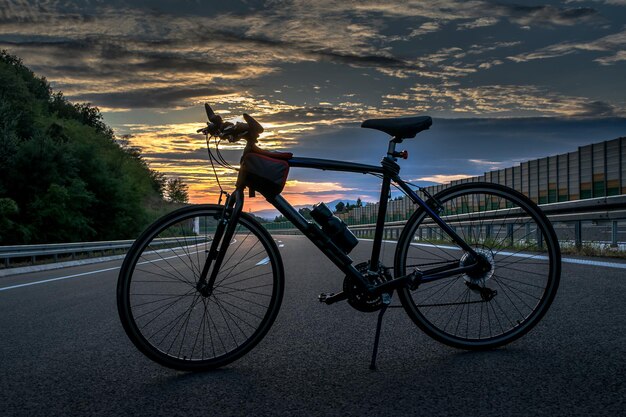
<point>483,271</point>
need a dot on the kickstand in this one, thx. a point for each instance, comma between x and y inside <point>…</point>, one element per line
<point>386,301</point>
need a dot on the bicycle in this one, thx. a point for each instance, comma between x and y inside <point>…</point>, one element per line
<point>476,266</point>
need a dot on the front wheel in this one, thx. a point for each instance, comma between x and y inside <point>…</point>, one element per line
<point>504,300</point>
<point>169,319</point>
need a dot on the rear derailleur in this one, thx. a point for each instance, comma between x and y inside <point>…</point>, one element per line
<point>486,294</point>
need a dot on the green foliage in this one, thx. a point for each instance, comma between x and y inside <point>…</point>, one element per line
<point>63,176</point>
<point>340,207</point>
<point>306,213</point>
<point>176,191</point>
<point>258,218</point>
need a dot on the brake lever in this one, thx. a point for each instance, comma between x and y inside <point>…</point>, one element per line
<point>234,132</point>
<point>210,129</point>
<point>232,137</point>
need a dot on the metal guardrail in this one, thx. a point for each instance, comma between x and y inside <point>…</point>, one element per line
<point>604,209</point>
<point>599,210</point>
<point>54,250</point>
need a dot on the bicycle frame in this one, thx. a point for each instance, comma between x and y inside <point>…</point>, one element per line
<point>389,169</point>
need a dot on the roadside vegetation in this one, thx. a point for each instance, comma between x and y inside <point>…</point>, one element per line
<point>63,175</point>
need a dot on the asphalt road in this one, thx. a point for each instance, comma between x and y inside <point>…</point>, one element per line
<point>64,352</point>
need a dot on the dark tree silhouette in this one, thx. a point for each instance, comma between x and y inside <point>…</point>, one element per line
<point>176,191</point>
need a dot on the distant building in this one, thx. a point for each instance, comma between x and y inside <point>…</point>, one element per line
<point>596,170</point>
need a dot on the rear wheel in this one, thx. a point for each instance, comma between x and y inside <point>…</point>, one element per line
<point>499,304</point>
<point>163,312</point>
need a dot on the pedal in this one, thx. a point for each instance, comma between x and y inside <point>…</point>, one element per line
<point>330,298</point>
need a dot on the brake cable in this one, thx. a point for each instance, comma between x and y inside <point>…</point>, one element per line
<point>211,157</point>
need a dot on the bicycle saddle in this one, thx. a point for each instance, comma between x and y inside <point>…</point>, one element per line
<point>400,127</point>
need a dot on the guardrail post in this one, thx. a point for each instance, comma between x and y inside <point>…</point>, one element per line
<point>510,233</point>
<point>539,239</point>
<point>578,234</point>
<point>614,233</point>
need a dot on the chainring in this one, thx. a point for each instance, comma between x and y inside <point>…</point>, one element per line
<point>358,297</point>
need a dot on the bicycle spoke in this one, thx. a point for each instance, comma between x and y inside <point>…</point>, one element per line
<point>170,313</point>
<point>500,229</point>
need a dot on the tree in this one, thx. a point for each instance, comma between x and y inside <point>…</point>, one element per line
<point>176,191</point>
<point>158,182</point>
<point>359,203</point>
<point>306,213</point>
<point>340,207</point>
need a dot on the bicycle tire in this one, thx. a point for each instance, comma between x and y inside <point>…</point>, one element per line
<point>246,300</point>
<point>526,290</point>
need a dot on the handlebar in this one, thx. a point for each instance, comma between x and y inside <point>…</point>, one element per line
<point>249,130</point>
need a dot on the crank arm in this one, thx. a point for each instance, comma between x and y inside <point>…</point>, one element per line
<point>332,298</point>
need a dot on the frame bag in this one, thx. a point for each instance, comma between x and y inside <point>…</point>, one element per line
<point>263,174</point>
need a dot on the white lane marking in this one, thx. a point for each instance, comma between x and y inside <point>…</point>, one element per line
<point>58,279</point>
<point>615,265</point>
<point>85,273</point>
<point>594,263</point>
<point>263,261</point>
<point>281,245</point>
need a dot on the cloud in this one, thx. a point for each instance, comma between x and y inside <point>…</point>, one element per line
<point>614,43</point>
<point>443,178</point>
<point>425,28</point>
<point>546,14</point>
<point>610,2</point>
<point>108,40</point>
<point>505,100</point>
<point>310,187</point>
<point>608,60</point>
<point>485,163</point>
<point>164,97</point>
<point>478,23</point>
<point>452,10</point>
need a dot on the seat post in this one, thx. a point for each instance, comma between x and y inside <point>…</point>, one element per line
<point>391,150</point>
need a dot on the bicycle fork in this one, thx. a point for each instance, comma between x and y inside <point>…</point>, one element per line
<point>224,235</point>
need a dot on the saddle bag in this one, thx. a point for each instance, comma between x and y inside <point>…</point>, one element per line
<point>262,173</point>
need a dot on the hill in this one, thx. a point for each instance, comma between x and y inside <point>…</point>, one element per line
<point>63,176</point>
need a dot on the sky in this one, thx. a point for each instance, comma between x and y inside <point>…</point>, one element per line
<point>504,81</point>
